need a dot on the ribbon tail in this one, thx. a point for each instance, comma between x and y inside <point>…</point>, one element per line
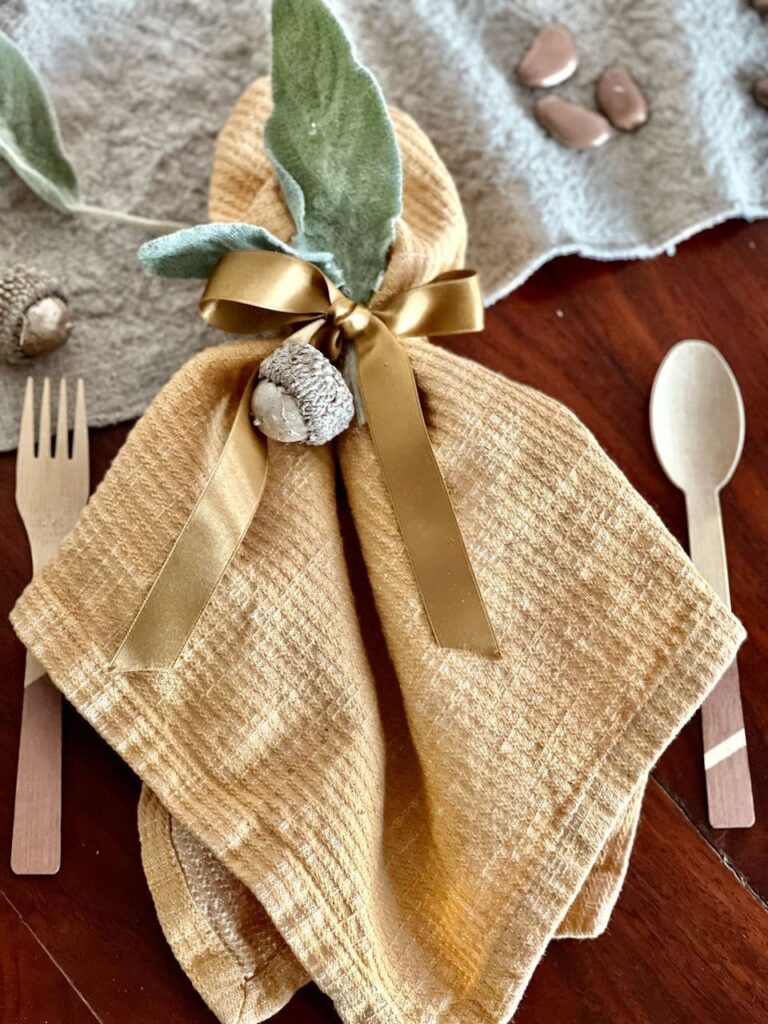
<point>419,496</point>
<point>202,550</point>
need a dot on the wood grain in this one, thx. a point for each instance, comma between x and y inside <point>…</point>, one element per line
<point>52,488</point>
<point>32,986</point>
<point>697,426</point>
<point>687,943</point>
<point>688,939</point>
<point>36,844</point>
<point>730,801</point>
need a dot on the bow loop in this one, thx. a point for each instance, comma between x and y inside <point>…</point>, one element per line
<point>252,292</point>
<point>269,292</point>
<point>265,292</point>
<point>451,303</point>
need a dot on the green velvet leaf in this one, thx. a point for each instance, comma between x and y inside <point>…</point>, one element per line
<point>333,145</point>
<point>194,252</point>
<point>29,133</point>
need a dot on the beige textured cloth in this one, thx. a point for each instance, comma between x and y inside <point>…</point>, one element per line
<point>410,834</point>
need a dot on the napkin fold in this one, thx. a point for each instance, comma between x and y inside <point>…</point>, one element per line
<point>407,828</point>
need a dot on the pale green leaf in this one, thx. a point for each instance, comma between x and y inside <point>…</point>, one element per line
<point>29,133</point>
<point>194,252</point>
<point>333,145</point>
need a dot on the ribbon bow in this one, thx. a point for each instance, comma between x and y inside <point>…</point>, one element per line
<point>261,292</point>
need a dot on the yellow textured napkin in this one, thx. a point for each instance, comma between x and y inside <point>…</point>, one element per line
<point>410,837</point>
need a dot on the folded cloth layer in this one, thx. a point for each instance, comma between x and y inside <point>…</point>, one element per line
<point>410,835</point>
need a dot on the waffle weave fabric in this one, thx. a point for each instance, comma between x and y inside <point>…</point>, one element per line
<point>408,833</point>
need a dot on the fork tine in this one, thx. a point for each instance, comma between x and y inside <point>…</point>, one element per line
<point>27,424</point>
<point>61,449</point>
<point>44,437</point>
<point>80,440</point>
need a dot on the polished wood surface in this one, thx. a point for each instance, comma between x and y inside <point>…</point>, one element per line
<point>688,941</point>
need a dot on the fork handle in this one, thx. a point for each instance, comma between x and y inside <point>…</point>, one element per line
<point>726,765</point>
<point>36,843</point>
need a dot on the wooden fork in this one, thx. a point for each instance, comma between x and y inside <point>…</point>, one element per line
<point>51,491</point>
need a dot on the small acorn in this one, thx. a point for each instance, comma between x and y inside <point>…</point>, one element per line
<point>34,315</point>
<point>300,396</point>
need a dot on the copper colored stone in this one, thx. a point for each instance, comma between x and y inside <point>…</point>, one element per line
<point>760,91</point>
<point>570,123</point>
<point>550,59</point>
<point>619,97</point>
<point>761,6</point>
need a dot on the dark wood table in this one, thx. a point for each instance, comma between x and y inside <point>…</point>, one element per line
<point>688,941</point>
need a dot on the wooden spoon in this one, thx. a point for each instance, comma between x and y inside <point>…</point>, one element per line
<point>697,426</point>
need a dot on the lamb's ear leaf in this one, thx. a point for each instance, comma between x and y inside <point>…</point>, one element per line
<point>29,131</point>
<point>331,140</point>
<point>194,252</point>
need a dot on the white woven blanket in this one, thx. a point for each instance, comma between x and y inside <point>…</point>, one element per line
<point>142,87</point>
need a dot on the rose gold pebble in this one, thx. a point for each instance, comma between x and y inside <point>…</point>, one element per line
<point>620,99</point>
<point>761,6</point>
<point>760,91</point>
<point>570,123</point>
<point>550,59</point>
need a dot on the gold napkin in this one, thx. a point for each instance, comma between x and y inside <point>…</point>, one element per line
<point>412,835</point>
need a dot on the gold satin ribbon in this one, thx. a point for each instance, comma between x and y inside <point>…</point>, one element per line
<point>202,551</point>
<point>259,292</point>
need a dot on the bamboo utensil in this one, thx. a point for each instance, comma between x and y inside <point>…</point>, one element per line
<point>51,491</point>
<point>697,426</point>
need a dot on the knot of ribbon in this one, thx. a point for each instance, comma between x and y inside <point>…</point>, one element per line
<point>267,292</point>
<point>341,310</point>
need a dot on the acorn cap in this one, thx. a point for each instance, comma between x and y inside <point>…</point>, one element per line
<point>301,396</point>
<point>34,316</point>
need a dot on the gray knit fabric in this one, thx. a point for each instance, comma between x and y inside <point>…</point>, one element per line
<point>143,87</point>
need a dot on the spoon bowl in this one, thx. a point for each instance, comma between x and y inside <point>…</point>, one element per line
<point>697,417</point>
<point>697,425</point>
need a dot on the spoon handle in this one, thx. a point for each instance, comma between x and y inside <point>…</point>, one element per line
<point>729,787</point>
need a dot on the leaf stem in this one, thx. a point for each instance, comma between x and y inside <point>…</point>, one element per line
<point>118,217</point>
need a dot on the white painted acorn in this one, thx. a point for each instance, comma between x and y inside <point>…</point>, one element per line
<point>300,396</point>
<point>34,315</point>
